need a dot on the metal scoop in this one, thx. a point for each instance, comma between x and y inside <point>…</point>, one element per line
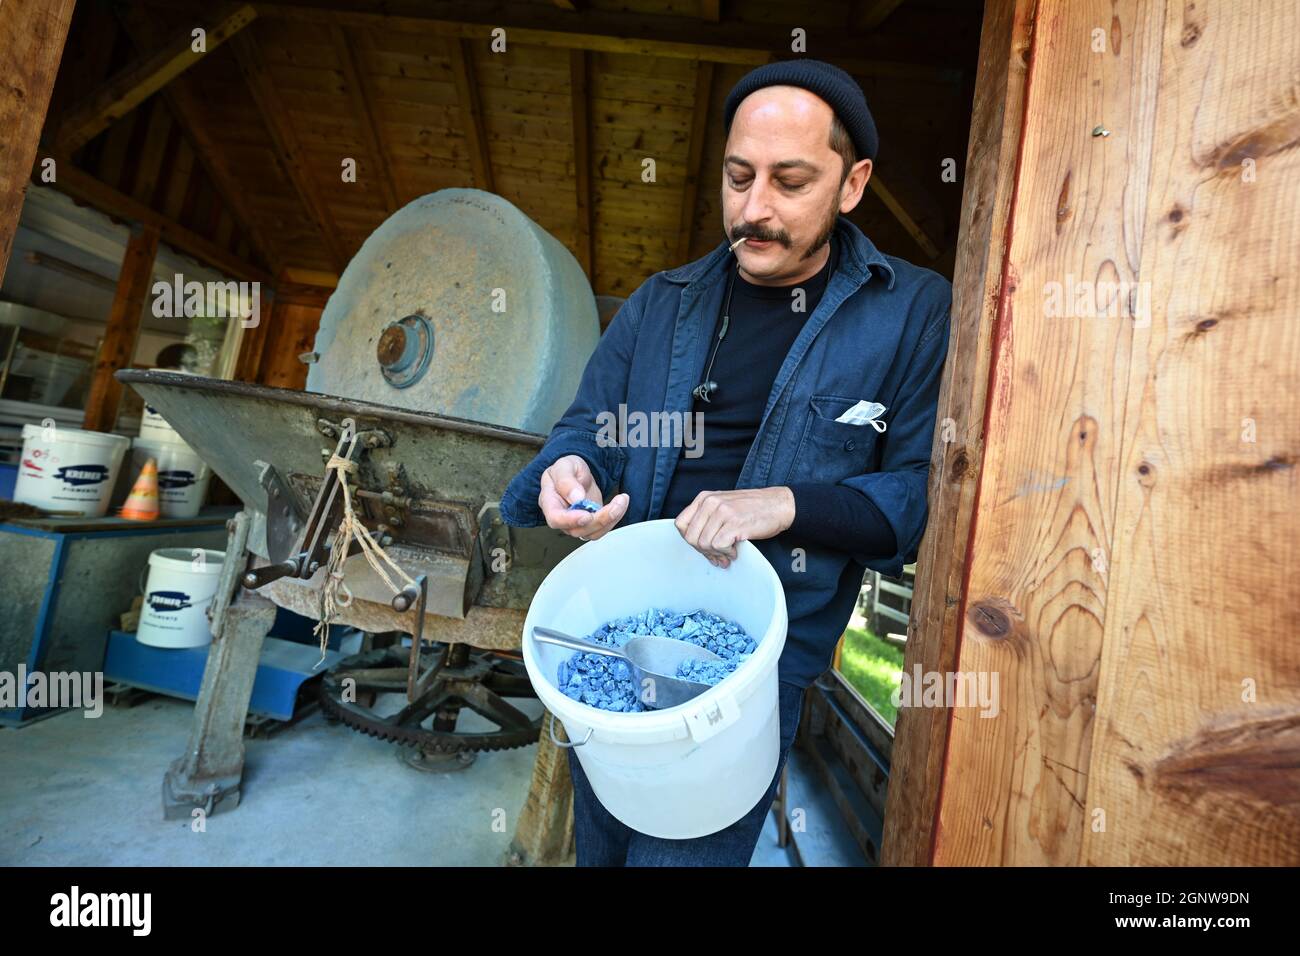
<point>650,658</point>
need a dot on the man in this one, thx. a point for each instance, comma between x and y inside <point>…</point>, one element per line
<point>816,321</point>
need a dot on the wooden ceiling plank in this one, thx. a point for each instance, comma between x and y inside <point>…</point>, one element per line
<point>140,79</point>
<point>362,96</point>
<point>285,143</point>
<point>461,54</point>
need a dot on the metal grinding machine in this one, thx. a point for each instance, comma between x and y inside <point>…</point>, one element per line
<point>455,339</point>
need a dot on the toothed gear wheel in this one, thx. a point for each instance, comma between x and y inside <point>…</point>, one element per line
<point>467,677</point>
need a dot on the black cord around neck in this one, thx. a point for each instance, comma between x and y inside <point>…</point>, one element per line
<point>704,391</point>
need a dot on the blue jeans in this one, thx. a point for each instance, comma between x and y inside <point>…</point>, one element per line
<point>605,841</point>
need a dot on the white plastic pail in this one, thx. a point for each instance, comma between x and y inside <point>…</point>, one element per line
<point>685,771</point>
<point>153,427</point>
<point>177,593</point>
<point>182,475</point>
<point>68,469</point>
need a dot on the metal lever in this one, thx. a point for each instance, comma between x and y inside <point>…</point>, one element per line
<point>317,540</point>
<point>410,594</point>
<point>417,595</point>
<point>257,577</point>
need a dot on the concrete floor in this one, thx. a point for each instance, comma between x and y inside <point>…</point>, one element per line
<point>79,792</point>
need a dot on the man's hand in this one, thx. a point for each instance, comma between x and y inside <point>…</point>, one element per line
<point>717,521</point>
<point>566,483</point>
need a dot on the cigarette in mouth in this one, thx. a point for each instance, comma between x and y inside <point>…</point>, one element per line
<point>737,242</point>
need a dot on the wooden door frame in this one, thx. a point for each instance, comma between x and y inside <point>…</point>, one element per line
<point>956,459</point>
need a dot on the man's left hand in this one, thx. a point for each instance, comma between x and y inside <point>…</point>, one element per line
<point>717,521</point>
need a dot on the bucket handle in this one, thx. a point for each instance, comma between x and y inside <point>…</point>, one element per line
<point>565,743</point>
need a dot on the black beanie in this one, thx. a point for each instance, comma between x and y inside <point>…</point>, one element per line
<point>829,82</point>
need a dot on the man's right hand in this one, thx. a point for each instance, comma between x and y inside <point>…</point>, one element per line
<point>567,482</point>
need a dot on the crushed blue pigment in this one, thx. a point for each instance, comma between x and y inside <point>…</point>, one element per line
<point>586,504</point>
<point>606,682</point>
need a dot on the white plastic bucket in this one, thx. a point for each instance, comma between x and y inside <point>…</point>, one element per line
<point>177,593</point>
<point>68,469</point>
<point>685,771</point>
<point>153,427</point>
<point>182,475</point>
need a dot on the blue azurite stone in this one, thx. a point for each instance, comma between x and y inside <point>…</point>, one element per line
<point>606,682</point>
<point>586,504</point>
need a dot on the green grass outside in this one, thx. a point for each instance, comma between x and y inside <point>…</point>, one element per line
<point>874,668</point>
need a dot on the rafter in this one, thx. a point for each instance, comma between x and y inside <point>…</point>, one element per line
<point>689,38</point>
<point>580,113</point>
<point>869,14</point>
<point>695,157</point>
<point>140,79</point>
<point>900,212</point>
<point>284,142</point>
<point>86,188</point>
<point>461,54</point>
<point>187,112</point>
<point>362,96</point>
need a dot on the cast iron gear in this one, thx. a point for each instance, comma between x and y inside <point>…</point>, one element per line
<point>466,677</point>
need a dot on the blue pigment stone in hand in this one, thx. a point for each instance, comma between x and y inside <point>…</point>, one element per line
<point>606,682</point>
<point>586,504</point>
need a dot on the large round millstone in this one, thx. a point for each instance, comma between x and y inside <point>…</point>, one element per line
<point>459,304</point>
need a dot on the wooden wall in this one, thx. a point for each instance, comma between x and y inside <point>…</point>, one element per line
<point>1128,567</point>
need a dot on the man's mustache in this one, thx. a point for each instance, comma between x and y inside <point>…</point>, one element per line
<point>758,234</point>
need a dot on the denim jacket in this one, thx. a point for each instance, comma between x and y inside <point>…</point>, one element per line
<point>879,333</point>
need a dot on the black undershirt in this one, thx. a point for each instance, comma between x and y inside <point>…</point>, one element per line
<point>762,329</point>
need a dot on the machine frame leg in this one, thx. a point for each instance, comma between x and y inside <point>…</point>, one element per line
<point>544,836</point>
<point>209,774</point>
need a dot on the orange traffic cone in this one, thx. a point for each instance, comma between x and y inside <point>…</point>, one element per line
<point>142,502</point>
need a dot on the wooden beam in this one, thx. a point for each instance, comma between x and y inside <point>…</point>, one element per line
<point>694,158</point>
<point>295,275</point>
<point>252,344</point>
<point>921,733</point>
<point>285,143</point>
<point>711,10</point>
<point>580,113</point>
<point>123,329</point>
<point>140,79</point>
<point>88,189</point>
<point>461,53</point>
<point>188,112</point>
<point>903,216</point>
<point>689,38</point>
<point>32,33</point>
<point>362,96</point>
<point>869,14</point>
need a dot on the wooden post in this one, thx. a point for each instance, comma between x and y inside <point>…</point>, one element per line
<point>921,734</point>
<point>32,33</point>
<point>123,329</point>
<point>545,834</point>
<point>1121,422</point>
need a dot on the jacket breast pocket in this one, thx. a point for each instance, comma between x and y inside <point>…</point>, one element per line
<point>830,451</point>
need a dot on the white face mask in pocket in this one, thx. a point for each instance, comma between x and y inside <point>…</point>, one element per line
<point>864,413</point>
